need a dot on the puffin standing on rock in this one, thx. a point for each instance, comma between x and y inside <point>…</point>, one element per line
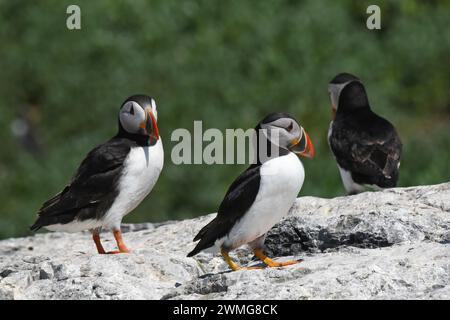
<point>112,180</point>
<point>366,146</point>
<point>262,194</point>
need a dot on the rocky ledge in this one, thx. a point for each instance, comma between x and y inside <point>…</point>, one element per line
<point>393,244</point>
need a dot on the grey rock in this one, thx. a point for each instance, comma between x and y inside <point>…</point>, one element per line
<point>393,244</point>
<point>46,271</point>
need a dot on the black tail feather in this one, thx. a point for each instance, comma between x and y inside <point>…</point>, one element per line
<point>199,247</point>
<point>39,223</point>
<point>35,226</point>
<point>204,239</point>
<point>193,252</point>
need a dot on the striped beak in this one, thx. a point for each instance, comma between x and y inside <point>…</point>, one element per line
<point>149,125</point>
<point>302,146</point>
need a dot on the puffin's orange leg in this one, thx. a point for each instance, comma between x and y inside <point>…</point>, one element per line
<point>98,243</point>
<point>270,263</point>
<point>120,244</point>
<point>233,265</point>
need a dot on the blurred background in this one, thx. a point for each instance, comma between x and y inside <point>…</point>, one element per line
<point>228,63</point>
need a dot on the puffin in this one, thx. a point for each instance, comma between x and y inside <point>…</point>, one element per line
<point>112,180</point>
<point>262,195</point>
<point>367,147</point>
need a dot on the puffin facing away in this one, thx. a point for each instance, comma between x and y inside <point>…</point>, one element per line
<point>262,194</point>
<point>366,146</point>
<point>112,180</point>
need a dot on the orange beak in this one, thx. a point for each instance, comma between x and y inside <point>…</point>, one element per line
<point>309,150</point>
<point>155,132</point>
<point>303,147</point>
<point>149,125</point>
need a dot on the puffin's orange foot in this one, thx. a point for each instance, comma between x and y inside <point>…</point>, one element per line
<point>233,265</point>
<point>273,264</point>
<point>118,236</point>
<point>118,251</point>
<point>123,250</point>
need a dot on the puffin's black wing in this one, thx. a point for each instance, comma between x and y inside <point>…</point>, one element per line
<point>92,189</point>
<point>368,146</point>
<point>238,199</point>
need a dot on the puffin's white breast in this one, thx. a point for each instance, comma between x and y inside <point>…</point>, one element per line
<point>281,181</point>
<point>141,170</point>
<point>347,180</point>
<point>330,132</point>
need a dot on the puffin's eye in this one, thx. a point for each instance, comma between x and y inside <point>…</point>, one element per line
<point>290,127</point>
<point>132,109</point>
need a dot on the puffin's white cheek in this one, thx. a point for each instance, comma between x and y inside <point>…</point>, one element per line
<point>285,139</point>
<point>334,99</point>
<point>129,122</point>
<point>274,136</point>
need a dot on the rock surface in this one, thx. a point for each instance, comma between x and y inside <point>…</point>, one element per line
<point>380,245</point>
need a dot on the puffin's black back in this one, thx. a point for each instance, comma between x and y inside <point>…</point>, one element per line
<point>92,189</point>
<point>238,199</point>
<point>364,143</point>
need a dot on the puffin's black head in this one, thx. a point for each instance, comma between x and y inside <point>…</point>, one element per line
<point>284,131</point>
<point>137,118</point>
<point>343,78</point>
<point>347,93</point>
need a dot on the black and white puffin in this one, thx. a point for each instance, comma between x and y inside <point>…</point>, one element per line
<point>112,180</point>
<point>262,194</point>
<point>366,146</point>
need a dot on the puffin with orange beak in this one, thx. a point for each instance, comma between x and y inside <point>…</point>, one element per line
<point>112,180</point>
<point>263,194</point>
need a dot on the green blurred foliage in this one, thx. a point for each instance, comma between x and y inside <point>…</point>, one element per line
<point>227,63</point>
